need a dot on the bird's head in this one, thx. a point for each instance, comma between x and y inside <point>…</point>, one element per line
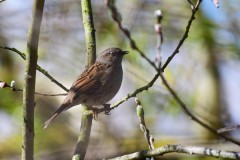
<point>111,56</point>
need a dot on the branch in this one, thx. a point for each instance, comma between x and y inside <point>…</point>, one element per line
<point>185,35</point>
<point>190,114</point>
<point>30,80</point>
<point>39,68</point>
<point>86,122</point>
<point>143,126</point>
<point>228,128</point>
<point>13,88</point>
<point>117,18</point>
<point>202,151</point>
<point>84,135</point>
<point>133,94</point>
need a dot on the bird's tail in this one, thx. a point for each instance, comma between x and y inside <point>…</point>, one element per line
<point>63,107</point>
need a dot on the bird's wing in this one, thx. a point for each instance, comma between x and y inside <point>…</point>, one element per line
<point>89,80</point>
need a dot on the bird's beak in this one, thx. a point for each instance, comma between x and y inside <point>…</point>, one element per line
<point>125,52</point>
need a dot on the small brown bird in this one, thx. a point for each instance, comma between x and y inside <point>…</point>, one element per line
<point>96,85</point>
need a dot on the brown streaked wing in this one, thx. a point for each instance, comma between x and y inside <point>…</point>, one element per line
<point>89,79</point>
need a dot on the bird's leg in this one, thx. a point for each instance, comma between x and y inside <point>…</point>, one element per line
<point>107,109</point>
<point>95,112</point>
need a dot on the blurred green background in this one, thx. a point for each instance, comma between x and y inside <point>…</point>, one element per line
<point>205,74</point>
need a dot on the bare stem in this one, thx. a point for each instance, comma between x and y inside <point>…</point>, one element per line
<point>29,81</point>
<point>86,122</point>
<point>203,151</point>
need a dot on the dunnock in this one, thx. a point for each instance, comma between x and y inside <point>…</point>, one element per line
<point>97,84</point>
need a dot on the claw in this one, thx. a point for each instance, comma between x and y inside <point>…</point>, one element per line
<point>95,112</point>
<point>107,109</point>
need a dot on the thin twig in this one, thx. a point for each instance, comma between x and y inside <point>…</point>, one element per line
<point>143,126</point>
<point>133,94</point>
<point>228,128</point>
<point>117,18</point>
<point>130,95</point>
<point>158,30</point>
<point>202,151</point>
<point>5,85</point>
<point>190,114</point>
<point>39,68</point>
<point>184,37</point>
<point>191,4</point>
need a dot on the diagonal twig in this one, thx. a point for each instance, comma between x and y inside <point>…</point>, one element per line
<point>173,148</point>
<point>190,114</point>
<point>185,35</point>
<point>117,18</point>
<point>39,68</point>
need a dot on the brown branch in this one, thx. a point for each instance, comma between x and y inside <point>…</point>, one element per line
<point>161,151</point>
<point>130,95</point>
<point>13,88</point>
<point>228,128</point>
<point>185,35</point>
<point>133,94</point>
<point>190,114</point>
<point>117,18</point>
<point>39,68</point>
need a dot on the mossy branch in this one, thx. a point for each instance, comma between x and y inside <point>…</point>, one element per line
<point>30,80</point>
<point>86,122</point>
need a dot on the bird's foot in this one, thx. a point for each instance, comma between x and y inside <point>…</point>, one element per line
<point>95,112</point>
<point>107,109</point>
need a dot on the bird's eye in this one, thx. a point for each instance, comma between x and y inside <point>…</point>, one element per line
<point>113,53</point>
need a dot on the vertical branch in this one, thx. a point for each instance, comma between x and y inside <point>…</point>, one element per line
<point>29,81</point>
<point>89,32</point>
<point>86,122</point>
<point>84,135</point>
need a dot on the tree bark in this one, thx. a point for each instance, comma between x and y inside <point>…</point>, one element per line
<point>86,122</point>
<point>29,81</point>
